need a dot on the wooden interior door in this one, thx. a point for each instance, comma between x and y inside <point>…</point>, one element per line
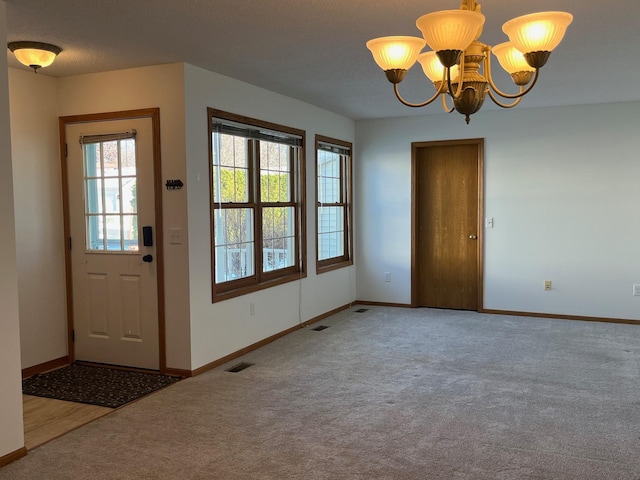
<point>447,240</point>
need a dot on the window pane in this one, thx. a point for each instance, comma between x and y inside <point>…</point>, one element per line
<point>278,232</point>
<point>130,232</point>
<point>129,195</point>
<point>92,163</point>
<point>110,158</point>
<point>95,236</point>
<point>330,232</point>
<point>234,244</point>
<point>128,156</point>
<point>94,196</point>
<point>113,232</point>
<point>329,177</point>
<point>230,172</point>
<point>275,172</point>
<point>232,185</point>
<point>231,151</point>
<point>328,190</point>
<point>112,195</point>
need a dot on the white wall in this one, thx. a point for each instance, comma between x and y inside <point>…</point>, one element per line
<point>149,87</point>
<point>12,437</point>
<point>225,327</point>
<point>33,101</point>
<point>561,184</point>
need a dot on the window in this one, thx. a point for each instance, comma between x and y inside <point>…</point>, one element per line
<point>111,211</point>
<point>257,198</point>
<point>333,204</point>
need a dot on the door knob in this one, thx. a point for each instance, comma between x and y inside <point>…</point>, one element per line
<point>473,237</point>
<point>147,258</point>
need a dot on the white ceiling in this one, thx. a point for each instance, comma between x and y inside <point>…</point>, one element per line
<point>314,50</point>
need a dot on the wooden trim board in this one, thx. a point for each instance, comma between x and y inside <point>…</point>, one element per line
<point>45,367</point>
<point>13,456</point>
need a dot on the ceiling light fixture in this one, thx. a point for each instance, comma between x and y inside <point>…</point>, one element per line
<point>34,54</point>
<point>454,64</point>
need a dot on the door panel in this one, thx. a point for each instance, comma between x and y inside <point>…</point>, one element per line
<point>111,198</point>
<point>446,243</point>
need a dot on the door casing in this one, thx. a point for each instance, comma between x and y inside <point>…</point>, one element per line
<point>415,147</point>
<point>154,115</point>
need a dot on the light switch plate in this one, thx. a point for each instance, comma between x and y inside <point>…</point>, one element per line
<point>175,236</point>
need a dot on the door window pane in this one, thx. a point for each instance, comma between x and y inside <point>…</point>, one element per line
<point>110,189</point>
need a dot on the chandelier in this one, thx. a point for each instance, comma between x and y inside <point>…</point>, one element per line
<point>454,65</point>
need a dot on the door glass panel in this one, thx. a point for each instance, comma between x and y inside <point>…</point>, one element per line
<point>110,187</point>
<point>112,195</point>
<point>94,196</point>
<point>110,160</point>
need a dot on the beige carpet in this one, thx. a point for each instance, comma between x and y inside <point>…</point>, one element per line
<point>385,394</point>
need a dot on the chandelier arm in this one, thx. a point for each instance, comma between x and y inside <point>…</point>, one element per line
<point>416,105</point>
<point>456,95</point>
<point>504,105</point>
<point>445,107</point>
<point>523,91</point>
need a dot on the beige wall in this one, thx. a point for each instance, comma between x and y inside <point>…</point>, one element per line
<point>33,104</point>
<point>11,429</point>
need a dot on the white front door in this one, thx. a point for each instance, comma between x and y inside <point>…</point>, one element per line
<point>113,253</point>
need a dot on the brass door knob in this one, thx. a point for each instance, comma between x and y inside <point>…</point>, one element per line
<point>473,237</point>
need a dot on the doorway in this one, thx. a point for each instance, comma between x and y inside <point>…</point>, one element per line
<point>113,225</point>
<point>447,240</point>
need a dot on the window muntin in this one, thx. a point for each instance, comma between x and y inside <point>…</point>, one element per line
<point>333,204</point>
<point>257,174</point>
<point>110,185</point>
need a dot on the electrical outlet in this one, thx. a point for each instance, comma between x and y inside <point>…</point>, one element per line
<point>636,290</point>
<point>547,285</point>
<point>387,276</point>
<point>252,308</point>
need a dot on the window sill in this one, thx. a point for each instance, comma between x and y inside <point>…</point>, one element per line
<point>244,290</point>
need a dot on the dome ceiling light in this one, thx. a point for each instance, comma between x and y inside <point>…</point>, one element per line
<point>34,54</point>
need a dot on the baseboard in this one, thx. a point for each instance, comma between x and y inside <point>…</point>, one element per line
<point>562,317</point>
<point>262,343</point>
<point>382,304</point>
<point>13,456</point>
<point>178,372</point>
<point>45,367</point>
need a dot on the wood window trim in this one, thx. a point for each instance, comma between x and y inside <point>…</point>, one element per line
<point>261,280</point>
<point>346,260</point>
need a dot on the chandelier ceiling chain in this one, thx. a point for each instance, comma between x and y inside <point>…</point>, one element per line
<point>459,65</point>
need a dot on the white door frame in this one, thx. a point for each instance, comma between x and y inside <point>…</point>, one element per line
<point>154,115</point>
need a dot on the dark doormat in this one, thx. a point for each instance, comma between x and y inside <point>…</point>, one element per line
<point>105,387</point>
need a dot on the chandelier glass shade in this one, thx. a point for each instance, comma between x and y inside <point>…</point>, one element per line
<point>34,54</point>
<point>450,29</point>
<point>459,65</point>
